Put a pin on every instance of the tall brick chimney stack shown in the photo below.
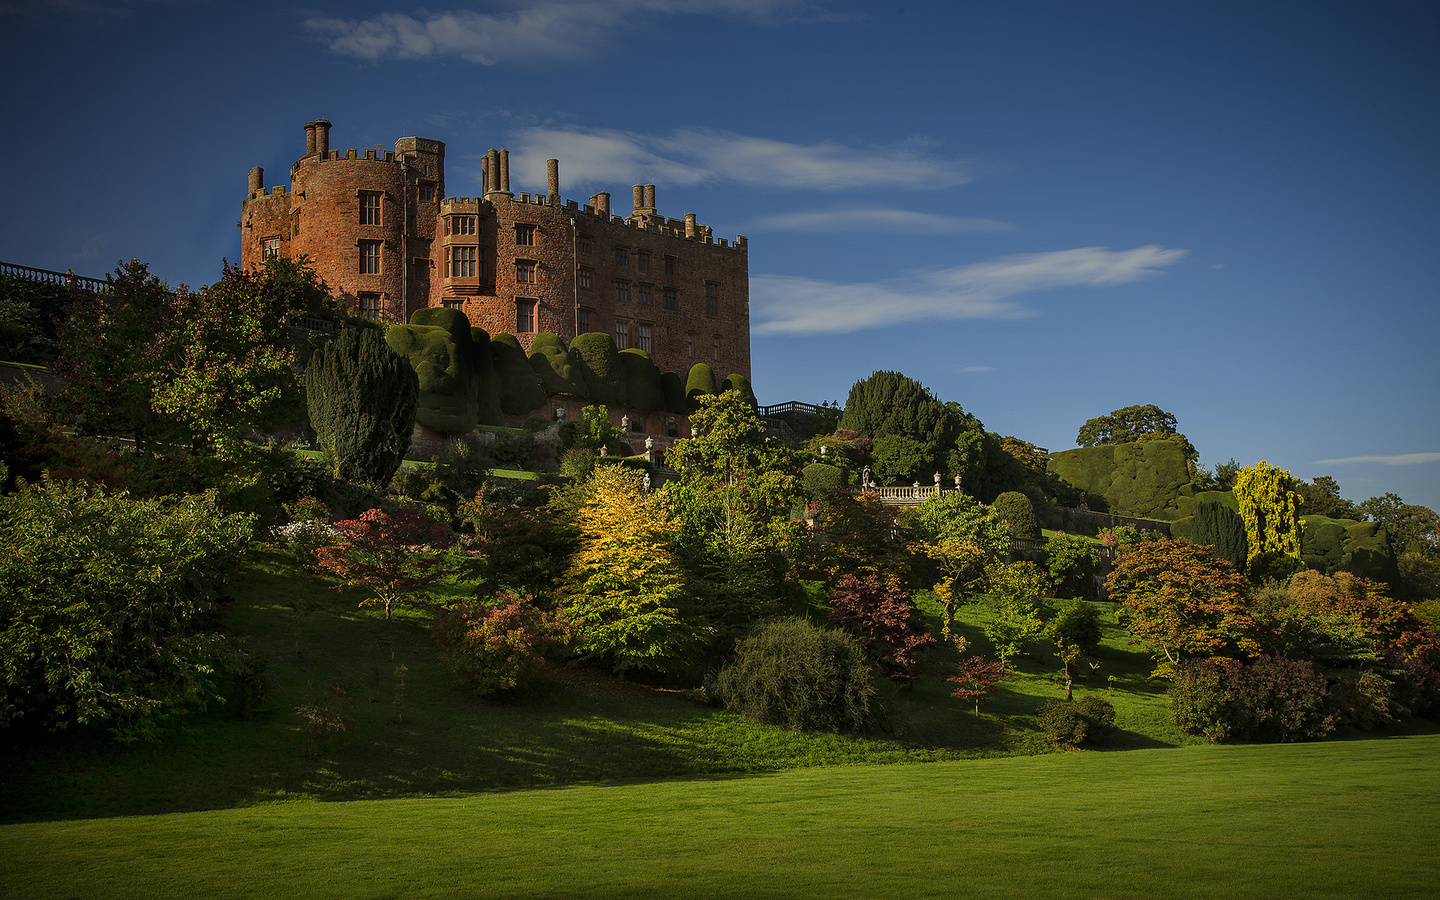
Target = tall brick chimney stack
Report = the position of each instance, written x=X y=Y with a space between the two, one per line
x=601 y=202
x=322 y=137
x=492 y=170
x=309 y=138
x=637 y=199
x=505 y=171
x=257 y=180
x=650 y=199
x=552 y=181
x=689 y=225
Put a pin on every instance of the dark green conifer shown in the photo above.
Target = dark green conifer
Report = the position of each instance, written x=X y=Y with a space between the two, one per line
x=1222 y=528
x=361 y=397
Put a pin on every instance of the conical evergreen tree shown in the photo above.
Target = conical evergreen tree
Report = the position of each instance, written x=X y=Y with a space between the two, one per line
x=361 y=396
x=1222 y=528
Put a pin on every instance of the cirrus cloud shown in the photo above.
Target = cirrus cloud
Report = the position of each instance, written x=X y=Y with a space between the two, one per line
x=1396 y=459
x=786 y=304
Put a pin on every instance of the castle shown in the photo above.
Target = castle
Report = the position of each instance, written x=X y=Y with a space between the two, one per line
x=377 y=224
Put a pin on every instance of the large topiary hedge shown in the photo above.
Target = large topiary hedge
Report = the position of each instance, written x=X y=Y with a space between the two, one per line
x=1344 y=545
x=673 y=387
x=520 y=390
x=596 y=363
x=699 y=383
x=1019 y=512
x=737 y=382
x=1146 y=479
x=642 y=381
x=551 y=362
x=456 y=378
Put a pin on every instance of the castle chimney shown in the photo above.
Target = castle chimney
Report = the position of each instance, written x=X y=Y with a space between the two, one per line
x=484 y=174
x=637 y=201
x=309 y=138
x=505 y=171
x=257 y=181
x=322 y=137
x=552 y=181
x=689 y=225
x=602 y=203
x=650 y=198
x=492 y=184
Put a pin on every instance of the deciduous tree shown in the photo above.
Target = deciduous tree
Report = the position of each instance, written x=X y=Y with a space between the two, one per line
x=1271 y=511
x=885 y=622
x=395 y=557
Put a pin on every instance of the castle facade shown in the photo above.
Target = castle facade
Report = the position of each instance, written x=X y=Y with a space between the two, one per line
x=377 y=224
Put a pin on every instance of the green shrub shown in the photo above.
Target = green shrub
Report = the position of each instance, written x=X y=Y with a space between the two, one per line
x=1222 y=528
x=551 y=362
x=957 y=516
x=361 y=397
x=1089 y=720
x=596 y=363
x=642 y=381
x=700 y=382
x=673 y=387
x=578 y=463
x=739 y=383
x=101 y=598
x=1271 y=699
x=795 y=674
x=1072 y=561
x=520 y=390
x=493 y=648
x=820 y=477
x=1019 y=513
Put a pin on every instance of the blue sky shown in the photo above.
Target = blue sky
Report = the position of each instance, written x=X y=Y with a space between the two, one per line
x=1041 y=210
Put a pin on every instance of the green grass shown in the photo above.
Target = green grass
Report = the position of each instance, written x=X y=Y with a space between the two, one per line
x=1338 y=820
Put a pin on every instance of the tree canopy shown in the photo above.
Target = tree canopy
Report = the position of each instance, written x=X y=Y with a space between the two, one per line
x=1135 y=423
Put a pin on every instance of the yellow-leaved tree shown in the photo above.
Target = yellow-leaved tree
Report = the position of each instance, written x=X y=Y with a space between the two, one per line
x=1270 y=509
x=625 y=588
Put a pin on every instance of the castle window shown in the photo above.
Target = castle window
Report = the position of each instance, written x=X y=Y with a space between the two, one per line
x=671 y=300
x=715 y=346
x=622 y=335
x=270 y=247
x=370 y=207
x=369 y=257
x=582 y=321
x=642 y=294
x=712 y=298
x=427 y=192
x=642 y=340
x=622 y=257
x=524 y=235
x=583 y=276
x=669 y=265
x=582 y=243
x=369 y=305
x=690 y=346
x=460 y=225
x=525 y=271
x=453 y=303
x=622 y=291
x=642 y=261
x=524 y=315
x=462 y=262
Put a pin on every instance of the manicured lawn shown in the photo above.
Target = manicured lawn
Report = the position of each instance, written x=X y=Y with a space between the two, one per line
x=1347 y=820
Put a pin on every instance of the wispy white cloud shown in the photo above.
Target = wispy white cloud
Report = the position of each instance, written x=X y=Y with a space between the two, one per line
x=876 y=219
x=785 y=304
x=539 y=30
x=696 y=156
x=1397 y=459
x=977 y=368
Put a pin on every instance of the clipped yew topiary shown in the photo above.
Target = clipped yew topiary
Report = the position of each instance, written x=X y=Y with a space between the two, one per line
x=520 y=390
x=700 y=382
x=551 y=362
x=596 y=364
x=1344 y=545
x=457 y=383
x=737 y=382
x=642 y=381
x=1149 y=479
x=798 y=675
x=1019 y=512
x=821 y=477
x=361 y=397
x=674 y=388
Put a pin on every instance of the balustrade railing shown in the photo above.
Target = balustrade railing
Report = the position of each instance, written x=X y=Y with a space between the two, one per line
x=60 y=279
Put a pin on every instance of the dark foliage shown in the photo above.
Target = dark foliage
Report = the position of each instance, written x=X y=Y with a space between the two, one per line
x=800 y=676
x=362 y=398
x=1222 y=528
x=1071 y=724
x=885 y=622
